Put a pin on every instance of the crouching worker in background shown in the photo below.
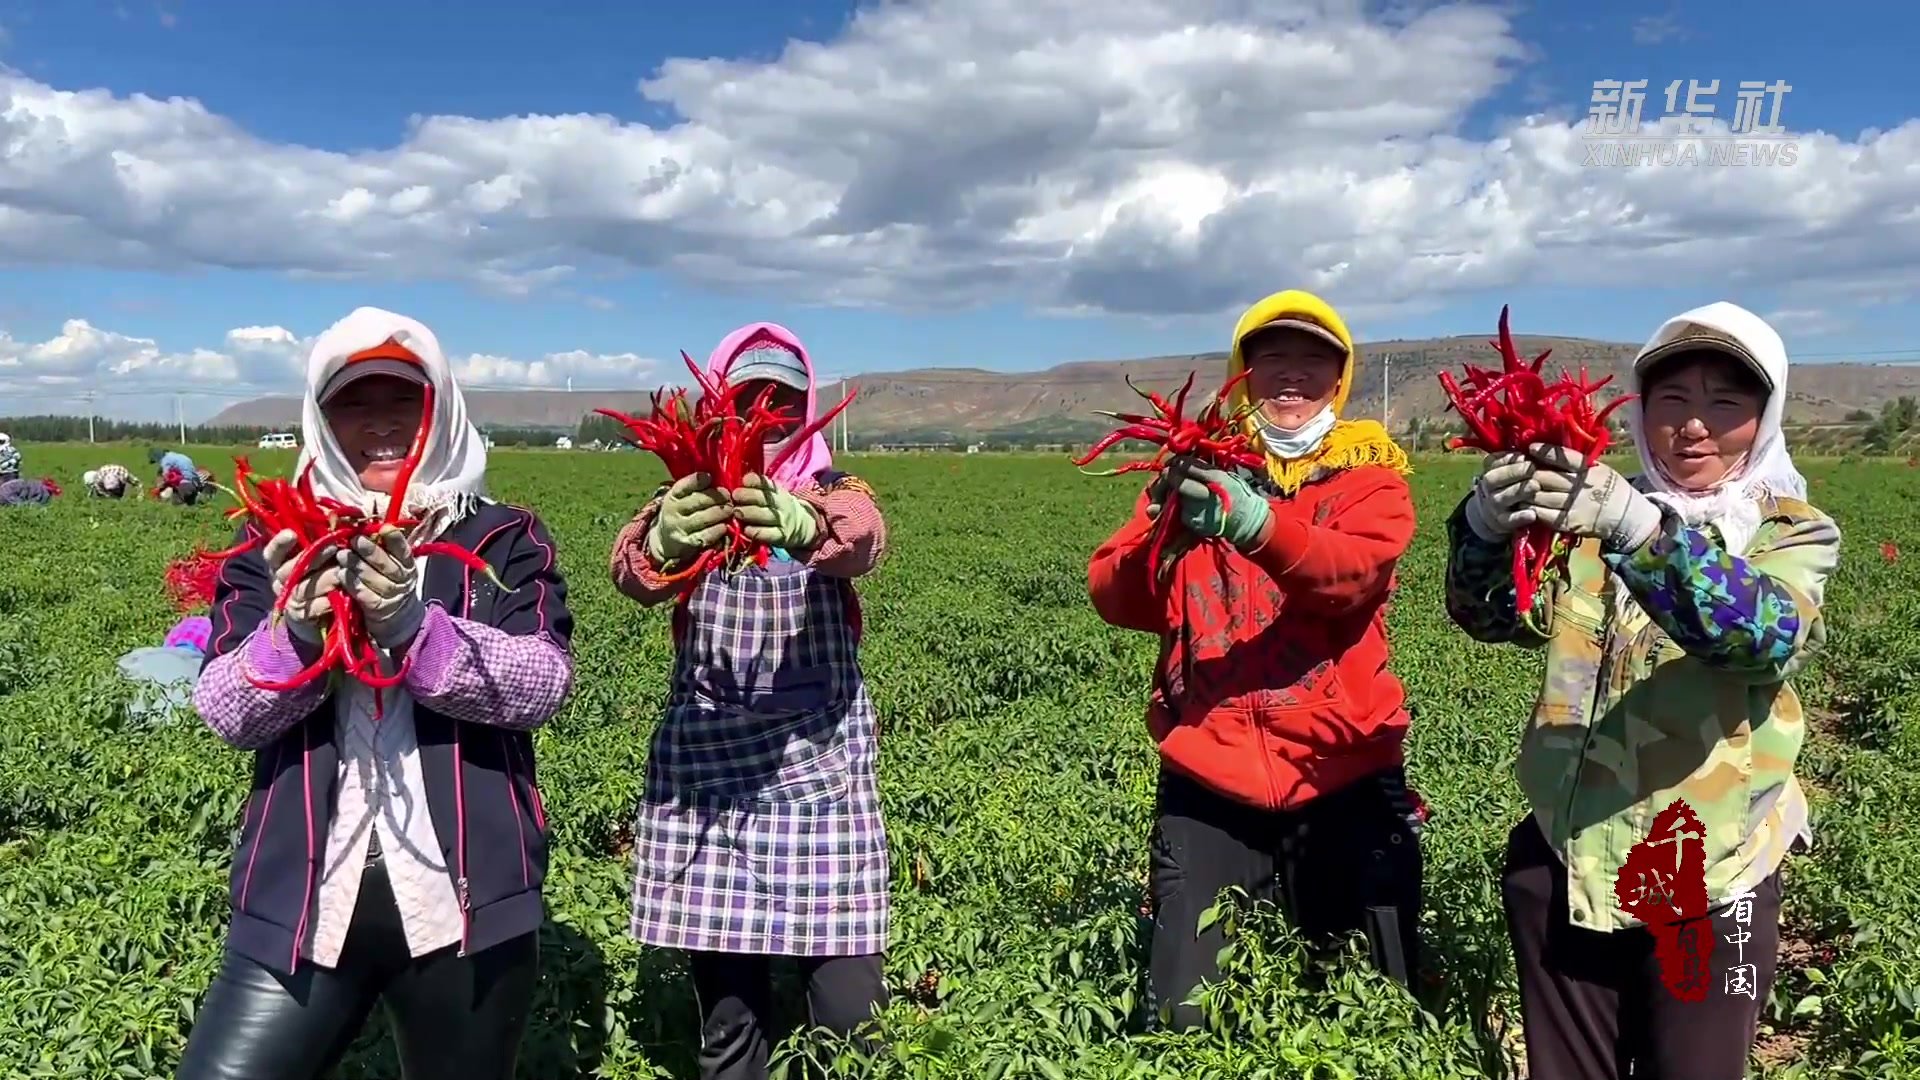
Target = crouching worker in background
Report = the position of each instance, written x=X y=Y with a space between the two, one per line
x=1280 y=727
x=19 y=492
x=110 y=482
x=177 y=481
x=759 y=831
x=1693 y=591
x=396 y=861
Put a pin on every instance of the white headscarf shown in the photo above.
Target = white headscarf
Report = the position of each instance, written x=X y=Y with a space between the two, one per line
x=1732 y=505
x=452 y=477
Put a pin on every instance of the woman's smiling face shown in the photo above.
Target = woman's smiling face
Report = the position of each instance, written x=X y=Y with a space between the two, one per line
x=374 y=419
x=1702 y=412
x=1292 y=374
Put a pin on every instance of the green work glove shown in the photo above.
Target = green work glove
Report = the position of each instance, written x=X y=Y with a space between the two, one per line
x=774 y=516
x=693 y=516
x=1240 y=523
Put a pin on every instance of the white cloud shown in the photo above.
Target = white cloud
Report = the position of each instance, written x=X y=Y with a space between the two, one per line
x=1794 y=323
x=52 y=375
x=1169 y=157
x=555 y=369
x=79 y=349
x=1654 y=29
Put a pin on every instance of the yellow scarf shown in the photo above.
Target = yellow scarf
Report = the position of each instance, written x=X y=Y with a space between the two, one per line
x=1352 y=443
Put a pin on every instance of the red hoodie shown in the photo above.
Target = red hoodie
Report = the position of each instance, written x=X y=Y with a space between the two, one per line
x=1273 y=685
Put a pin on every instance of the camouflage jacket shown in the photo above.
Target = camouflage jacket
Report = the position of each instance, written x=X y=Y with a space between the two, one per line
x=1677 y=690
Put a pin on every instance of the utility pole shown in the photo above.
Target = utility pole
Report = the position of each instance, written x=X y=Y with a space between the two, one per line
x=89 y=396
x=180 y=418
x=1386 y=391
x=846 y=388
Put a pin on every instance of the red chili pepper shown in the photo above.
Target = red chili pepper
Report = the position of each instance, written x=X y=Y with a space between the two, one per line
x=1213 y=438
x=715 y=436
x=275 y=505
x=1515 y=409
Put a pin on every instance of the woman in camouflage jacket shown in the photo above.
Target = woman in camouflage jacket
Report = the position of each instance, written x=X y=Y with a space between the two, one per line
x=1691 y=595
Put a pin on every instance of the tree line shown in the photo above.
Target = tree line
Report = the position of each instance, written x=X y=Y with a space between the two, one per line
x=50 y=428
x=76 y=429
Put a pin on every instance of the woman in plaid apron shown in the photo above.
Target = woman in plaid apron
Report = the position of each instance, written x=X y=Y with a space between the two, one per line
x=759 y=833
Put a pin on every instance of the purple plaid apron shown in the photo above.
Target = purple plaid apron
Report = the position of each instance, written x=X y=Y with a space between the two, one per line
x=759 y=829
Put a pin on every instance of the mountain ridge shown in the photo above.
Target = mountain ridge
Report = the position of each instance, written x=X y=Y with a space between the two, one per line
x=976 y=400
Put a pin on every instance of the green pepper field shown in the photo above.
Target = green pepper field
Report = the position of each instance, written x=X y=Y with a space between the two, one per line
x=1017 y=779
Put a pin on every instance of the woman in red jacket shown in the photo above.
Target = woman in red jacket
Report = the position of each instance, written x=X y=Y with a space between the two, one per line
x=1280 y=727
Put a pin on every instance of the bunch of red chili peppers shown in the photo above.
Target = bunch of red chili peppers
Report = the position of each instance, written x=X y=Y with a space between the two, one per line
x=713 y=436
x=191 y=581
x=320 y=523
x=1214 y=437
x=171 y=479
x=1507 y=411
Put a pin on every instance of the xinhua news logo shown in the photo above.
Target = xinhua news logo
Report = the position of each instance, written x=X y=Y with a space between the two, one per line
x=1687 y=132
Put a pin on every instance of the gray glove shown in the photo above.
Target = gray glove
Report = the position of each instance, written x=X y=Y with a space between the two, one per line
x=693 y=515
x=1582 y=498
x=382 y=579
x=1499 y=505
x=308 y=603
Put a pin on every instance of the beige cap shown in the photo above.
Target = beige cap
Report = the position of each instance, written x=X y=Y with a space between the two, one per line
x=1296 y=322
x=1696 y=336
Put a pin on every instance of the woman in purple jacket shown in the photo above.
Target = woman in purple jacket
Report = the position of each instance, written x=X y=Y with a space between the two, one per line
x=396 y=860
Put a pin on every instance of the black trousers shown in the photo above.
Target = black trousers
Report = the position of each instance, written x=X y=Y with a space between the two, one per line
x=1593 y=1003
x=735 y=992
x=1349 y=860
x=454 y=1017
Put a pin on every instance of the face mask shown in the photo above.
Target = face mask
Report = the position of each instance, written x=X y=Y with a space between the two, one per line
x=1302 y=440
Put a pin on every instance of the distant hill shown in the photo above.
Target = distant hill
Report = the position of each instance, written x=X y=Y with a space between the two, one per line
x=974 y=401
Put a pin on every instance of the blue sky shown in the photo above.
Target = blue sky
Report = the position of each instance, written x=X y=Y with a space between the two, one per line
x=348 y=76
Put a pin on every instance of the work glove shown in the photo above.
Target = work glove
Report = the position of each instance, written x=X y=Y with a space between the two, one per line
x=772 y=515
x=308 y=603
x=1240 y=523
x=1583 y=498
x=382 y=577
x=1157 y=492
x=1500 y=504
x=693 y=515
x=1163 y=484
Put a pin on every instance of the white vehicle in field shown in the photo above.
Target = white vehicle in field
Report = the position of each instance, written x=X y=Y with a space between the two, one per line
x=563 y=443
x=279 y=441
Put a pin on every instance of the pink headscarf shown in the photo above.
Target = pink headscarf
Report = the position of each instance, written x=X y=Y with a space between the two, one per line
x=809 y=459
